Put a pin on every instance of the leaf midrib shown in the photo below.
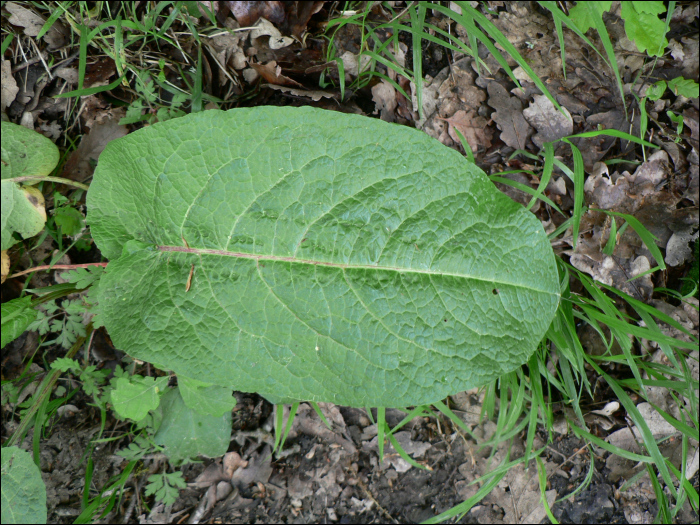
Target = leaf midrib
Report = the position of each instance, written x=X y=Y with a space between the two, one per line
x=279 y=258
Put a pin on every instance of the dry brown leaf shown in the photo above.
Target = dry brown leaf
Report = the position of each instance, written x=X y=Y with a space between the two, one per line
x=9 y=85
x=384 y=98
x=247 y=13
x=515 y=131
x=4 y=265
x=272 y=73
x=472 y=126
x=314 y=95
x=32 y=24
x=80 y=165
x=549 y=122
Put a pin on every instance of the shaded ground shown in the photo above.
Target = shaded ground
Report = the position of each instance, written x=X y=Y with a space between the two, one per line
x=327 y=477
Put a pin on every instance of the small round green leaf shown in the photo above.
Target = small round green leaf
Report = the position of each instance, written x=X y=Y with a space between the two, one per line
x=26 y=152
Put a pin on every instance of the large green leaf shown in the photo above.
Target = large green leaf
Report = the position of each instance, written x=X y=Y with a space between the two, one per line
x=336 y=258
x=23 y=490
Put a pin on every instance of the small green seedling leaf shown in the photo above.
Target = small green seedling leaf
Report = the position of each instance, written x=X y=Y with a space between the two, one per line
x=166 y=486
x=205 y=398
x=17 y=315
x=583 y=18
x=186 y=434
x=684 y=87
x=656 y=90
x=70 y=220
x=23 y=490
x=644 y=27
x=133 y=397
x=677 y=119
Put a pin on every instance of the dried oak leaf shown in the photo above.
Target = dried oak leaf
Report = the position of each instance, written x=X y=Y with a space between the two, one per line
x=32 y=24
x=272 y=73
x=549 y=122
x=472 y=126
x=384 y=98
x=515 y=131
x=247 y=13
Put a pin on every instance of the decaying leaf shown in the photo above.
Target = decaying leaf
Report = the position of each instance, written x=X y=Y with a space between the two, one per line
x=515 y=131
x=549 y=122
x=472 y=126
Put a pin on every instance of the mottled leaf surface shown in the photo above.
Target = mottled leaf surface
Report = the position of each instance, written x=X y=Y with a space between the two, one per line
x=23 y=490
x=336 y=258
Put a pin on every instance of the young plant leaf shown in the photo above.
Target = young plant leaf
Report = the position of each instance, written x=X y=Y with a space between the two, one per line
x=185 y=433
x=338 y=258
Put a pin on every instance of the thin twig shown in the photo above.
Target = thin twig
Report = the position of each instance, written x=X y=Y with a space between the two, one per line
x=30 y=62
x=370 y=496
x=60 y=180
x=403 y=12
x=57 y=267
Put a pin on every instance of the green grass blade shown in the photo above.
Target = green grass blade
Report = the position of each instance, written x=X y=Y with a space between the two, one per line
x=578 y=190
x=527 y=189
x=557 y=14
x=647 y=237
x=475 y=33
x=197 y=91
x=442 y=407
x=612 y=240
x=381 y=431
x=466 y=506
x=542 y=478
x=546 y=173
x=536 y=402
x=597 y=18
x=402 y=453
x=417 y=21
x=613 y=133
x=687 y=486
x=82 y=60
x=586 y=481
x=416 y=412
x=48 y=24
x=467 y=148
x=341 y=76
x=636 y=417
x=560 y=36
x=290 y=421
x=91 y=91
x=279 y=420
x=6 y=43
x=500 y=38
x=320 y=414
